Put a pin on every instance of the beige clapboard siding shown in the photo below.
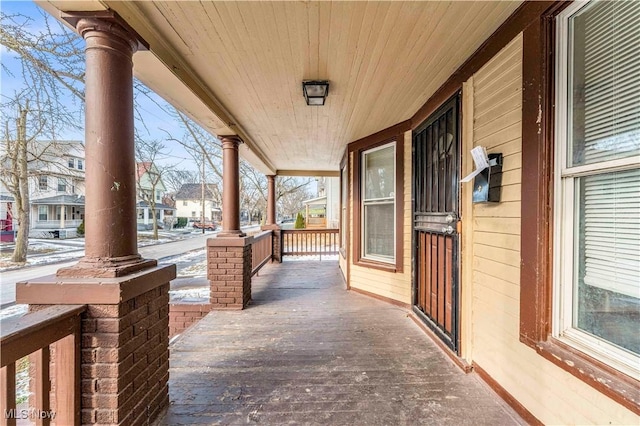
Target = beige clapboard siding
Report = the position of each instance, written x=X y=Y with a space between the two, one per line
x=396 y=286
x=548 y=392
x=494 y=239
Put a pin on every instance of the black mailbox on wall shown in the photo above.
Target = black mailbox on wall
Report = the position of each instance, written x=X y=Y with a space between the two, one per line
x=487 y=184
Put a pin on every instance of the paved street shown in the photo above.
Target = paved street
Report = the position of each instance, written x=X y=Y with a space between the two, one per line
x=8 y=279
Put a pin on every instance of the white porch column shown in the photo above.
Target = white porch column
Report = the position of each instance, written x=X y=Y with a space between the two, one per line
x=62 y=215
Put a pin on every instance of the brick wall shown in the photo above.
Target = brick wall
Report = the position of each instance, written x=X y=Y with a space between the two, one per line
x=229 y=272
x=124 y=359
x=277 y=245
x=184 y=315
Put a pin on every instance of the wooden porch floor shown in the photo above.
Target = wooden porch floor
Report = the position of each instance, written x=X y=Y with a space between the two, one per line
x=308 y=352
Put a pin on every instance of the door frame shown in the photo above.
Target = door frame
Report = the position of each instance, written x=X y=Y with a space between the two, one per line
x=452 y=343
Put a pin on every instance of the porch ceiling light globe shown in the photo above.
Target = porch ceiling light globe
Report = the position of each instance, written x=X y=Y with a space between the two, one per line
x=315 y=92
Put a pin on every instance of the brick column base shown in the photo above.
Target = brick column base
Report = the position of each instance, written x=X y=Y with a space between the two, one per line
x=277 y=245
x=125 y=341
x=229 y=272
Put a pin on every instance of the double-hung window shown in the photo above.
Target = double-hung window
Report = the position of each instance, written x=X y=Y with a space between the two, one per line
x=62 y=185
x=43 y=213
x=43 y=183
x=378 y=203
x=597 y=182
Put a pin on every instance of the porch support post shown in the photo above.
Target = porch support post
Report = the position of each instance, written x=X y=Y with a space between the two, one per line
x=270 y=224
x=110 y=207
x=229 y=254
x=271 y=200
x=230 y=187
x=63 y=210
x=124 y=345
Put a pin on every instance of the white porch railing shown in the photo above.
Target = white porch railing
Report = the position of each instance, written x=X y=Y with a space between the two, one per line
x=55 y=224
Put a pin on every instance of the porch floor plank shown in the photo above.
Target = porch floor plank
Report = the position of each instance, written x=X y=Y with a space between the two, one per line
x=308 y=352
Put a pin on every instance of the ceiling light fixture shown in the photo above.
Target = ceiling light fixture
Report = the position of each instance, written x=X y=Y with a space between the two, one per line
x=315 y=92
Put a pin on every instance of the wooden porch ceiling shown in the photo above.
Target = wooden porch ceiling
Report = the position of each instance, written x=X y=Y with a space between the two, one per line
x=237 y=67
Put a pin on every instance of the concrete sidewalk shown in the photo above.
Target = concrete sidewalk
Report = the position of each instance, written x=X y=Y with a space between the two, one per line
x=307 y=351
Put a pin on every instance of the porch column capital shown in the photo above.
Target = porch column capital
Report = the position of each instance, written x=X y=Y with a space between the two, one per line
x=104 y=33
x=230 y=187
x=231 y=141
x=111 y=247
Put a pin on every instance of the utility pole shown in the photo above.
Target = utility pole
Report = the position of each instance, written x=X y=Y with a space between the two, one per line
x=203 y=201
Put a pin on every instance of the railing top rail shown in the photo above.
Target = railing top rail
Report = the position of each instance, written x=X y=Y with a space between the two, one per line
x=262 y=235
x=310 y=231
x=33 y=331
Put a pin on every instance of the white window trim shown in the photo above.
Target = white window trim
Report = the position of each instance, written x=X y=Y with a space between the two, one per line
x=564 y=213
x=364 y=255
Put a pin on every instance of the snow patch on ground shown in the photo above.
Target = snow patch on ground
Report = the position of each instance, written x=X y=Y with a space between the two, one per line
x=13 y=311
x=190 y=295
x=195 y=270
x=312 y=257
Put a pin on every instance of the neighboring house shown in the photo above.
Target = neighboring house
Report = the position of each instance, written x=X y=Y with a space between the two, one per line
x=324 y=210
x=150 y=191
x=189 y=201
x=56 y=191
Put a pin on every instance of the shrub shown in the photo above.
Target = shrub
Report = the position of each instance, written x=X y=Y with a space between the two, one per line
x=181 y=223
x=299 y=221
x=80 y=229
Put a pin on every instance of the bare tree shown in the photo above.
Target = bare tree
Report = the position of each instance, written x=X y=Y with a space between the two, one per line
x=200 y=144
x=175 y=178
x=291 y=196
x=49 y=102
x=150 y=175
x=290 y=191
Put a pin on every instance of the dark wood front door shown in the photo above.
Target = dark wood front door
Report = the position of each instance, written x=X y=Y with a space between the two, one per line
x=436 y=169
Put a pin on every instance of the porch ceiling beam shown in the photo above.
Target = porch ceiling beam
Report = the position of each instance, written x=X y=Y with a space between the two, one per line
x=310 y=173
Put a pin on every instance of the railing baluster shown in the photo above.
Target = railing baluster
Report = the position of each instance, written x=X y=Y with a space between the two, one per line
x=43 y=384
x=67 y=373
x=8 y=398
x=301 y=242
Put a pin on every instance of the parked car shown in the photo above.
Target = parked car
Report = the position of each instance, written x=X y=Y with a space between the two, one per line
x=207 y=224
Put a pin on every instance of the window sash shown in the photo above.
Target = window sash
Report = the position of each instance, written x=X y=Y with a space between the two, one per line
x=604 y=124
x=569 y=175
x=384 y=250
